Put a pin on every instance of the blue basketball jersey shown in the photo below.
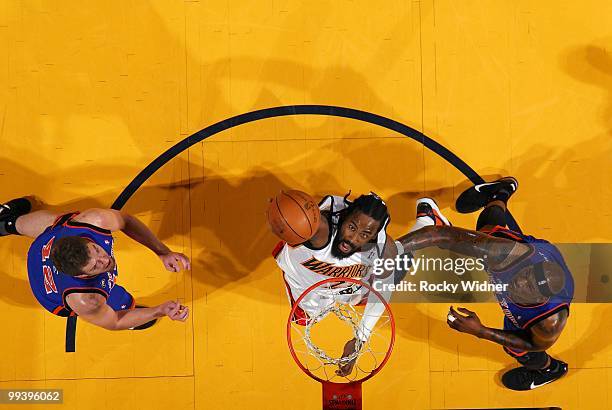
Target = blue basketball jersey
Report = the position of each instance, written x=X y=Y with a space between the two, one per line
x=521 y=317
x=50 y=286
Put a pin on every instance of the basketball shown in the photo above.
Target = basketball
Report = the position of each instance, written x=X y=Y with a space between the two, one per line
x=293 y=216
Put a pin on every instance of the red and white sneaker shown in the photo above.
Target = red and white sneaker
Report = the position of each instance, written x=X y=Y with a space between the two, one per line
x=428 y=214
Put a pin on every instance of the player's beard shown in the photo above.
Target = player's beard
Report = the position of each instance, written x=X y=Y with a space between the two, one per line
x=335 y=250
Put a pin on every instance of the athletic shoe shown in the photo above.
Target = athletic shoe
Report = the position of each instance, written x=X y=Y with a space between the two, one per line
x=522 y=378
x=15 y=207
x=476 y=197
x=9 y=212
x=428 y=208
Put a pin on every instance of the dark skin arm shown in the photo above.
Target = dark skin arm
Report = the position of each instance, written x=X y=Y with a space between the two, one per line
x=541 y=336
x=498 y=252
x=319 y=239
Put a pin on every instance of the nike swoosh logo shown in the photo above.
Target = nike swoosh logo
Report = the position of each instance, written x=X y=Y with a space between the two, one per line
x=477 y=187
x=533 y=385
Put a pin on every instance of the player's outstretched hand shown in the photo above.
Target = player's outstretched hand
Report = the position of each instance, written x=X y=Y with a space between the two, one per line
x=173 y=261
x=346 y=368
x=470 y=323
x=174 y=310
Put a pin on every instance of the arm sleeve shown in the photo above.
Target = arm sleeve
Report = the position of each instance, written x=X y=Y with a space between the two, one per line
x=374 y=307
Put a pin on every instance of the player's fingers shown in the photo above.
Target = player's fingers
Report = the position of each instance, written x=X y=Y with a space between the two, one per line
x=171 y=305
x=186 y=262
x=466 y=311
x=459 y=315
x=183 y=313
x=175 y=309
x=176 y=263
x=458 y=320
x=179 y=316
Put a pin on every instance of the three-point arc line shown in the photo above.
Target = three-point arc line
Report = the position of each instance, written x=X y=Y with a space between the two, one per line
x=329 y=110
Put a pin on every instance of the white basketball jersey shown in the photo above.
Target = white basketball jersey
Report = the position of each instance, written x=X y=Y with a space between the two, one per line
x=303 y=266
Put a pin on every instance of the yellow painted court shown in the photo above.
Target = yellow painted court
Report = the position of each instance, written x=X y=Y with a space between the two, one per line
x=92 y=91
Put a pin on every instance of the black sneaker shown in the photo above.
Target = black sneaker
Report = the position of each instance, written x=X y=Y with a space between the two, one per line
x=9 y=212
x=15 y=207
x=522 y=378
x=476 y=197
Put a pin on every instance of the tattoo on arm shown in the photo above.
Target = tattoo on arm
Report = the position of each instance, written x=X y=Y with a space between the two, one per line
x=507 y=338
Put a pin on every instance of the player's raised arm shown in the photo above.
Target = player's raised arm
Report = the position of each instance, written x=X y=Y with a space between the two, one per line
x=114 y=220
x=374 y=307
x=93 y=308
x=498 y=251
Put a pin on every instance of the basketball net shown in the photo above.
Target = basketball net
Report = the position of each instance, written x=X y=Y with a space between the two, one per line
x=316 y=340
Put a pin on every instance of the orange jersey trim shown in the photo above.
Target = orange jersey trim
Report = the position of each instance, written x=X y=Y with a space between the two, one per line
x=58 y=309
x=278 y=248
x=518 y=353
x=506 y=231
x=548 y=312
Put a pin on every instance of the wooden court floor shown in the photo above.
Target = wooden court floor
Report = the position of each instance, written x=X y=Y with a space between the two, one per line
x=93 y=91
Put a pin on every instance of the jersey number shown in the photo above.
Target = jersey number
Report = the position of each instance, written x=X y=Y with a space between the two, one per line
x=49 y=282
x=46 y=250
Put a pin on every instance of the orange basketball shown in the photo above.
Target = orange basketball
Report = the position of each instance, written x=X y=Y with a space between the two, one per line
x=293 y=216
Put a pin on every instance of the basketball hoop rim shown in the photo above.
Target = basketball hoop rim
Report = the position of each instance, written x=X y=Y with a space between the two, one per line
x=357 y=282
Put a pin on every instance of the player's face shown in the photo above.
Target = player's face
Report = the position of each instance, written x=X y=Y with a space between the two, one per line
x=523 y=288
x=99 y=261
x=356 y=230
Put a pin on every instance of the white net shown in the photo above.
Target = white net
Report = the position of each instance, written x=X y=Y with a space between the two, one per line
x=319 y=339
